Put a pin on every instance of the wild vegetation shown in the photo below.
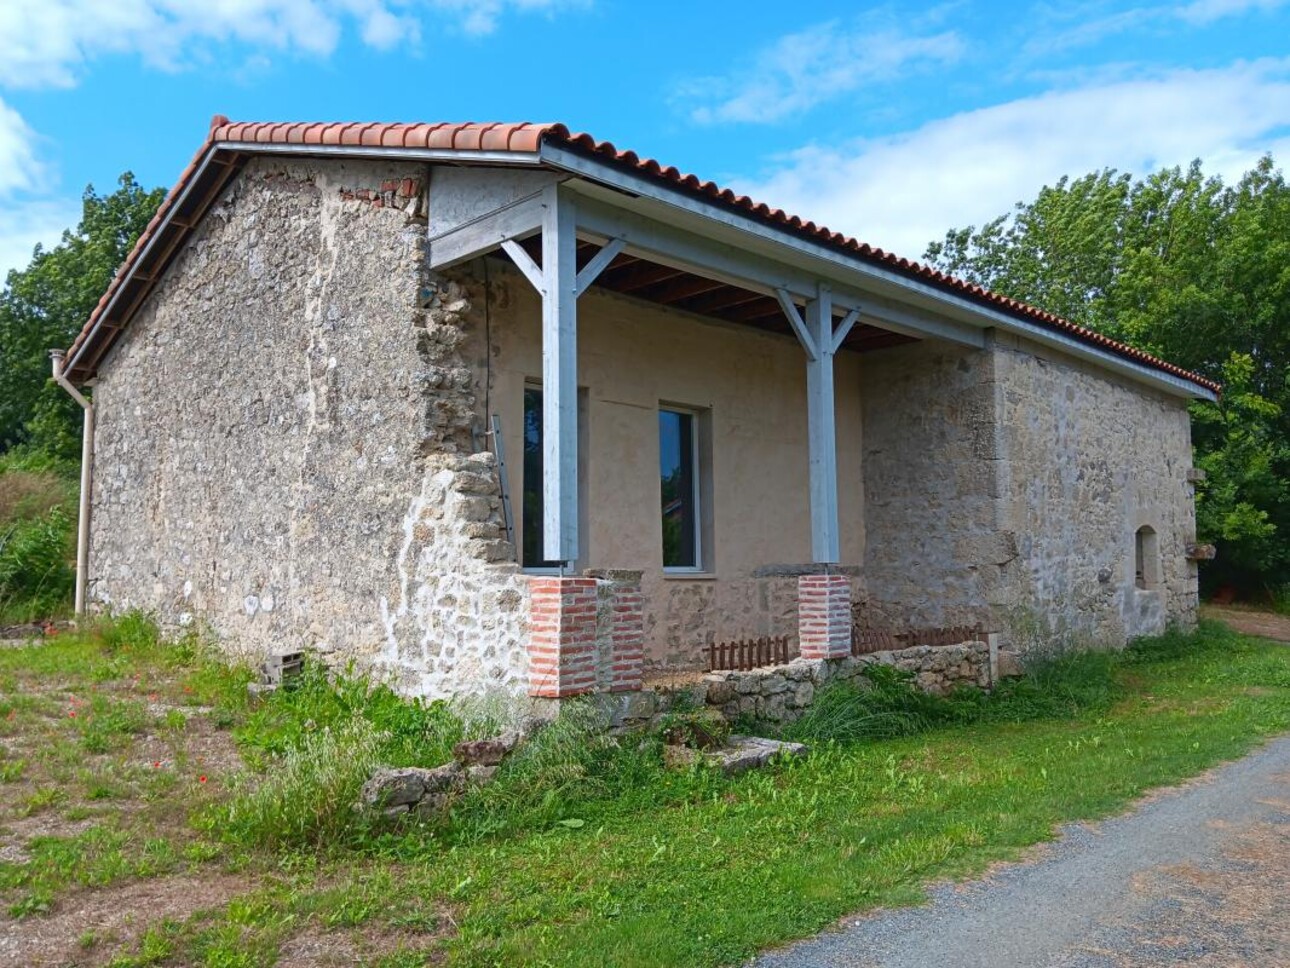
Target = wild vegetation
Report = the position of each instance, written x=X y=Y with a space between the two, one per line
x=41 y=307
x=154 y=813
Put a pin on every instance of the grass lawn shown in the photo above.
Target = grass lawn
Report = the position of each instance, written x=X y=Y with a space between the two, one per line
x=152 y=814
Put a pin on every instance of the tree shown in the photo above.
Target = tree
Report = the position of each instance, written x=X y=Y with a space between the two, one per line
x=1197 y=272
x=47 y=303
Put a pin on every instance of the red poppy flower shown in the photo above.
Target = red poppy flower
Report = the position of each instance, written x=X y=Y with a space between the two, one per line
x=201 y=779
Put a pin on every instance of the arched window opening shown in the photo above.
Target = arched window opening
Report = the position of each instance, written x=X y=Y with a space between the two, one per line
x=1146 y=557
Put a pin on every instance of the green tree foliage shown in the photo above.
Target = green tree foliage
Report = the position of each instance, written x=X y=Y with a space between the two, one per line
x=1192 y=270
x=46 y=304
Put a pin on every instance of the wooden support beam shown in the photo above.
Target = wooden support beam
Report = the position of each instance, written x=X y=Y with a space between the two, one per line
x=816 y=334
x=487 y=232
x=639 y=277
x=821 y=421
x=598 y=263
x=524 y=262
x=685 y=288
x=559 y=377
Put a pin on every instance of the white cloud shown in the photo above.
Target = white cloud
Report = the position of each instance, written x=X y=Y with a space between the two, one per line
x=1066 y=28
x=804 y=69
x=47 y=43
x=903 y=191
x=1207 y=11
x=19 y=168
x=25 y=224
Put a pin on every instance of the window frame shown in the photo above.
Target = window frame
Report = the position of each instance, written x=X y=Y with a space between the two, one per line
x=700 y=492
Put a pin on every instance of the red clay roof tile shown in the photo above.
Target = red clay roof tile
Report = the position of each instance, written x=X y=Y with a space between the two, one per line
x=528 y=137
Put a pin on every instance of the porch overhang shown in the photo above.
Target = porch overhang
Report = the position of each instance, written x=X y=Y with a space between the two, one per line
x=565 y=233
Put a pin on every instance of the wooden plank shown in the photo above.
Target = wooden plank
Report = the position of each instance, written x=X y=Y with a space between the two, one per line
x=486 y=232
x=682 y=288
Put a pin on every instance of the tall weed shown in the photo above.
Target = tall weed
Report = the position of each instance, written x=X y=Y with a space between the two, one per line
x=36 y=566
x=307 y=799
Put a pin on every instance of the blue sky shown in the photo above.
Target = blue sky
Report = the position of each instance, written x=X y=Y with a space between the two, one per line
x=892 y=122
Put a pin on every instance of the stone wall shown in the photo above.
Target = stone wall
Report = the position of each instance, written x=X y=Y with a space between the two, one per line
x=782 y=693
x=1005 y=486
x=1092 y=458
x=288 y=444
x=934 y=551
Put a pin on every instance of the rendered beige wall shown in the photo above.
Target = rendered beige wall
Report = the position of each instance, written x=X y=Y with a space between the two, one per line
x=633 y=356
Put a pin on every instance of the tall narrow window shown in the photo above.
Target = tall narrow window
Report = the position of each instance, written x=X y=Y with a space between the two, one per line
x=533 y=500
x=679 y=477
x=1146 y=558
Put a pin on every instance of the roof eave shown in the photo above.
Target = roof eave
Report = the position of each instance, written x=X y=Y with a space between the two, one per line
x=615 y=176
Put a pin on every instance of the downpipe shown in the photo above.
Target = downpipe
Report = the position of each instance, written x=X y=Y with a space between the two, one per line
x=87 y=471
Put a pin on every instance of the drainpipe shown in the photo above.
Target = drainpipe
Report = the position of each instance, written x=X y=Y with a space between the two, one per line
x=87 y=469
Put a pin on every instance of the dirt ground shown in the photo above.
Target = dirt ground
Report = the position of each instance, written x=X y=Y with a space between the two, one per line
x=1250 y=621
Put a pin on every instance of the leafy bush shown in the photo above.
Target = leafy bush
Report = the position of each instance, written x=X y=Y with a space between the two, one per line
x=36 y=571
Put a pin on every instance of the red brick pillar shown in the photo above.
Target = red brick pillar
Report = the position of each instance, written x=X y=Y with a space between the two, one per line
x=562 y=636
x=627 y=633
x=824 y=616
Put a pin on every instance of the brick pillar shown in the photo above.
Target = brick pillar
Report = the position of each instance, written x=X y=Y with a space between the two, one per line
x=562 y=636
x=627 y=633
x=824 y=616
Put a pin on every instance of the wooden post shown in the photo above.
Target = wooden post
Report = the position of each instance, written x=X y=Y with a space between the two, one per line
x=559 y=378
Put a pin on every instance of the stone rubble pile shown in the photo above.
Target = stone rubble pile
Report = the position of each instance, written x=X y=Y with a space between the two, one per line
x=394 y=791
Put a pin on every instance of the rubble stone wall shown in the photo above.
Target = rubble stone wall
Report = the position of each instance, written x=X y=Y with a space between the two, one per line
x=782 y=693
x=289 y=449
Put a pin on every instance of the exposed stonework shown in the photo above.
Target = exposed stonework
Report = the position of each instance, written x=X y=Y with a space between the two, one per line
x=780 y=694
x=934 y=551
x=286 y=440
x=1007 y=487
x=1090 y=460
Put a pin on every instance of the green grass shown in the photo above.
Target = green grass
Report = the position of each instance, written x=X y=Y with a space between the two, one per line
x=585 y=850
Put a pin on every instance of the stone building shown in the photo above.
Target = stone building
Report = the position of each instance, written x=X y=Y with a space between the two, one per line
x=503 y=407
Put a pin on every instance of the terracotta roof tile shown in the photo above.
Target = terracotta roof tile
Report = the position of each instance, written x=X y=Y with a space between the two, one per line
x=528 y=137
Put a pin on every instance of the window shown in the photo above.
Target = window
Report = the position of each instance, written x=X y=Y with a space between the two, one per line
x=533 y=503
x=679 y=473
x=1146 y=558
x=531 y=510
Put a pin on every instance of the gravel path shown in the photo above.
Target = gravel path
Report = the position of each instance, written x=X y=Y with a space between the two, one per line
x=1198 y=876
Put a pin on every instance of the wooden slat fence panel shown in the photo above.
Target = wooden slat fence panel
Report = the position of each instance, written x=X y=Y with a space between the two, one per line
x=741 y=655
